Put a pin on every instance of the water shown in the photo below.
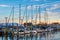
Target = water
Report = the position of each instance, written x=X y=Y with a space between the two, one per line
x=39 y=36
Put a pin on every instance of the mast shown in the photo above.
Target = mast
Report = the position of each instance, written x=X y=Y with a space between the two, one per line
x=30 y=27
x=46 y=16
x=32 y=14
x=7 y=19
x=39 y=16
x=13 y=16
x=19 y=20
x=19 y=14
x=36 y=16
x=46 y=22
x=13 y=21
x=26 y=15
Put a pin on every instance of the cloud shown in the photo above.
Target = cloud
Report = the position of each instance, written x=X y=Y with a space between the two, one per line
x=3 y=5
x=50 y=4
x=54 y=6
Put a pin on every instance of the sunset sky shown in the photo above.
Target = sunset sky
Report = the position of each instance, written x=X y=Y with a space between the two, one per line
x=52 y=6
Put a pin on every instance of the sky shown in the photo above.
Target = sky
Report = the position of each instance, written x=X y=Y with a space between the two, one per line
x=52 y=7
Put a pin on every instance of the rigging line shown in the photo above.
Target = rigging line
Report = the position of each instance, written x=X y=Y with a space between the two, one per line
x=10 y=16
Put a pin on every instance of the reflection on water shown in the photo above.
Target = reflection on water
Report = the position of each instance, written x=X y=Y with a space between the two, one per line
x=39 y=36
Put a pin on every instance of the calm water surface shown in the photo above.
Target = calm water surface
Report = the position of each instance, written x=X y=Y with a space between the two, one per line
x=39 y=36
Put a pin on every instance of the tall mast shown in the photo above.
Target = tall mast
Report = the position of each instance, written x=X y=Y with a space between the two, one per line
x=36 y=16
x=19 y=14
x=46 y=22
x=31 y=13
x=26 y=13
x=13 y=16
x=46 y=16
x=19 y=20
x=39 y=15
x=13 y=21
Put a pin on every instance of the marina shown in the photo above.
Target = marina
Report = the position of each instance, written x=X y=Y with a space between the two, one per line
x=29 y=20
x=22 y=30
x=27 y=27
